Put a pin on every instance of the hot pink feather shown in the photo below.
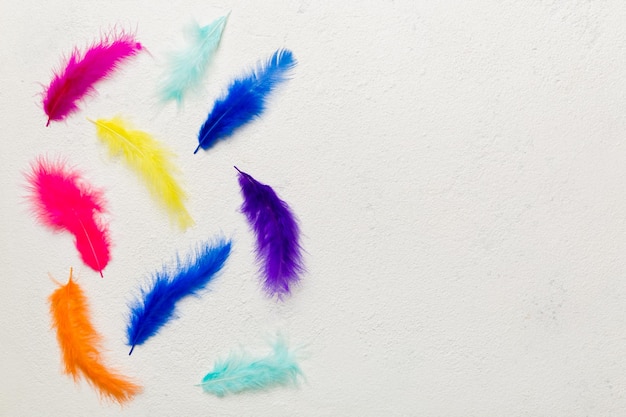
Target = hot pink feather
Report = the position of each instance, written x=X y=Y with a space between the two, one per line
x=83 y=70
x=63 y=201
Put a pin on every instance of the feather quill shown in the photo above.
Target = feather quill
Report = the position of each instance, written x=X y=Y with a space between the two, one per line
x=241 y=372
x=63 y=201
x=245 y=99
x=187 y=67
x=277 y=235
x=80 y=344
x=151 y=161
x=81 y=71
x=157 y=303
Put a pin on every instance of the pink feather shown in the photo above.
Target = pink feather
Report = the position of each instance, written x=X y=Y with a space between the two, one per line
x=63 y=201
x=83 y=70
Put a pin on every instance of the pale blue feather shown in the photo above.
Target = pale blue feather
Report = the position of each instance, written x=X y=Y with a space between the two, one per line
x=187 y=67
x=241 y=372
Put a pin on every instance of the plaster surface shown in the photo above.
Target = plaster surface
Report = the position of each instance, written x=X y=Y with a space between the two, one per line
x=458 y=169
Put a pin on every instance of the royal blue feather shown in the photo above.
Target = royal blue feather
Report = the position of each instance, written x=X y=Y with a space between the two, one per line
x=277 y=235
x=157 y=303
x=245 y=99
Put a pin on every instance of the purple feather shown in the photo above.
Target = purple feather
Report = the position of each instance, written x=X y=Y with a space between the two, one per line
x=277 y=235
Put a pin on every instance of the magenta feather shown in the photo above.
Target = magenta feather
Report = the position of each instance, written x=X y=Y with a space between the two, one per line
x=63 y=201
x=277 y=235
x=82 y=71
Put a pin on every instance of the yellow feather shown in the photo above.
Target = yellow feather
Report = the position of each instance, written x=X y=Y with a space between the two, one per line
x=151 y=161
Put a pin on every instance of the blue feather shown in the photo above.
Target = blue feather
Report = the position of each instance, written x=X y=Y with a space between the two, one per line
x=245 y=99
x=187 y=67
x=156 y=305
x=240 y=372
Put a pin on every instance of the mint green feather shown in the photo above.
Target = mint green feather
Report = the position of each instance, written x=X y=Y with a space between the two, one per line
x=187 y=67
x=240 y=372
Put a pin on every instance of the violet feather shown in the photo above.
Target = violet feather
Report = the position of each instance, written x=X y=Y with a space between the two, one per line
x=277 y=235
x=157 y=304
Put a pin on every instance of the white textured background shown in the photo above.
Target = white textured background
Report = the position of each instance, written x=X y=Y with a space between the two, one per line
x=459 y=171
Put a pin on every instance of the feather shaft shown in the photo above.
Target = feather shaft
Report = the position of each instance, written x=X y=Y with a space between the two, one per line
x=277 y=235
x=151 y=161
x=82 y=71
x=187 y=67
x=64 y=201
x=157 y=303
x=245 y=99
x=80 y=344
x=241 y=372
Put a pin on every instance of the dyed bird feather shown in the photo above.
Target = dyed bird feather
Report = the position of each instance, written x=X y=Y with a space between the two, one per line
x=277 y=235
x=82 y=71
x=151 y=161
x=157 y=303
x=63 y=201
x=245 y=99
x=187 y=67
x=80 y=344
x=240 y=372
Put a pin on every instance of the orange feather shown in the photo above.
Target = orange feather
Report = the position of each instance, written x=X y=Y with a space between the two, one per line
x=80 y=344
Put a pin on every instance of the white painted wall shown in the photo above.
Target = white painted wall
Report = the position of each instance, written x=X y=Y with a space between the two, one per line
x=459 y=171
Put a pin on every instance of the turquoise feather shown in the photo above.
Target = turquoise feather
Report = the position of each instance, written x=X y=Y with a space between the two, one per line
x=187 y=67
x=240 y=372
